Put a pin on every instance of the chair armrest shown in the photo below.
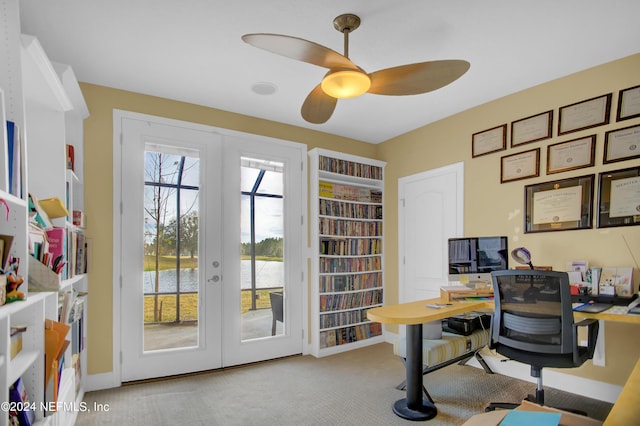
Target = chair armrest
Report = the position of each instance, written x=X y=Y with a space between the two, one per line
x=593 y=327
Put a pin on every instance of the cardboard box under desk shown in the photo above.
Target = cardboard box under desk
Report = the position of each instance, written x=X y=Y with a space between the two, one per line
x=493 y=418
x=451 y=293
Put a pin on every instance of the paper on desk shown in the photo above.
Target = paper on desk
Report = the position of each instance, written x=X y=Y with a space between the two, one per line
x=530 y=418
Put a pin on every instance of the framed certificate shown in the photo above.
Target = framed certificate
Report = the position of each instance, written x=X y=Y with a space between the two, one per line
x=628 y=103
x=584 y=115
x=571 y=155
x=532 y=129
x=619 y=198
x=488 y=141
x=622 y=144
x=559 y=205
x=520 y=166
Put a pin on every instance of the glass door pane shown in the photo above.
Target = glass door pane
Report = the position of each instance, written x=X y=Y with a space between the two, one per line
x=262 y=249
x=171 y=278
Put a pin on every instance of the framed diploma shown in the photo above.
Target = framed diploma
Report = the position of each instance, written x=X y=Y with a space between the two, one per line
x=571 y=155
x=628 y=103
x=584 y=115
x=488 y=141
x=559 y=205
x=622 y=144
x=520 y=166
x=532 y=129
x=619 y=198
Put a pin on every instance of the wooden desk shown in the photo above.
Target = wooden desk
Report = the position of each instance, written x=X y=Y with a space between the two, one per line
x=626 y=410
x=413 y=314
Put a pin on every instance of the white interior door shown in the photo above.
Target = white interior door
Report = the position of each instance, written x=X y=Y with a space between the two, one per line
x=196 y=292
x=430 y=211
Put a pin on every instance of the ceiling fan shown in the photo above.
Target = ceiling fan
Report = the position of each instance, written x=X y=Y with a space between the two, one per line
x=347 y=80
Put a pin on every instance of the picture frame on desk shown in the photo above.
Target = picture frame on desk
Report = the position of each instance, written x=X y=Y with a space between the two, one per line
x=619 y=198
x=559 y=205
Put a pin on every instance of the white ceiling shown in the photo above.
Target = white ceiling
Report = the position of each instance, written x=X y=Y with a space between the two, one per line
x=191 y=51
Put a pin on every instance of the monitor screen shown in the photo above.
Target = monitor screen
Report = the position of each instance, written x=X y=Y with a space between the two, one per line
x=471 y=260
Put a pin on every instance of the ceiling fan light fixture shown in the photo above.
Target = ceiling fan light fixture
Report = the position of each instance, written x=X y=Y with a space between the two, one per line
x=343 y=84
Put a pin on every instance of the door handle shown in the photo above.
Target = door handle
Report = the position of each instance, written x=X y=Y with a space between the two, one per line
x=214 y=278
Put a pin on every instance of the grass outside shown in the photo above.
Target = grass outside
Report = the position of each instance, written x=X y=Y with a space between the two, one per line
x=187 y=262
x=189 y=302
x=189 y=306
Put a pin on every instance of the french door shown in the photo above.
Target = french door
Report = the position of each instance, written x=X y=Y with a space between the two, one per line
x=197 y=209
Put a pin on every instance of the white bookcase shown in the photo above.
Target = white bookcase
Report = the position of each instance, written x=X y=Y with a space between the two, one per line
x=347 y=245
x=45 y=102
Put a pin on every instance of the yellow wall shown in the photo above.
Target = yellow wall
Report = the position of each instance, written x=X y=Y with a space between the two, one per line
x=492 y=208
x=98 y=155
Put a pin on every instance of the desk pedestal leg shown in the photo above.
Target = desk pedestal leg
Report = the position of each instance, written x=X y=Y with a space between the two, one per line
x=414 y=407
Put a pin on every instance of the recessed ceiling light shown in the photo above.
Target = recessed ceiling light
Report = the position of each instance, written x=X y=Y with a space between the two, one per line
x=263 y=88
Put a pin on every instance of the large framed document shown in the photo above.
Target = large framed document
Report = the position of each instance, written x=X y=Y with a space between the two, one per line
x=619 y=198
x=559 y=205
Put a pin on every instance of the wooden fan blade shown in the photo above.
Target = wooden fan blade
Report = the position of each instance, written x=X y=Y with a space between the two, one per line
x=299 y=49
x=318 y=107
x=417 y=78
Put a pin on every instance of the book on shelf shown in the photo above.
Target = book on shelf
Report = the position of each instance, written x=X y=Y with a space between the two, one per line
x=5 y=248
x=57 y=246
x=16 y=339
x=54 y=207
x=350 y=193
x=70 y=157
x=20 y=400
x=38 y=243
x=37 y=214
x=14 y=159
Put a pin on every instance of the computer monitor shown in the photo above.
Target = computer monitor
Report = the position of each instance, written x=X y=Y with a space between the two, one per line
x=471 y=260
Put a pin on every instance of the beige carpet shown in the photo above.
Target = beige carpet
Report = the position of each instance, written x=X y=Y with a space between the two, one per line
x=352 y=388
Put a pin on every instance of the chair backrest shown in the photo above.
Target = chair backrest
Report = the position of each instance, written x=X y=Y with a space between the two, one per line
x=533 y=311
x=276 y=305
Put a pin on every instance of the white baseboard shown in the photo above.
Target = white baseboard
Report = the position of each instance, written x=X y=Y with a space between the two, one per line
x=94 y=382
x=554 y=379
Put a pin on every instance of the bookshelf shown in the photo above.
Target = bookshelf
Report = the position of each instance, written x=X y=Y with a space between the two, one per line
x=45 y=103
x=28 y=362
x=347 y=245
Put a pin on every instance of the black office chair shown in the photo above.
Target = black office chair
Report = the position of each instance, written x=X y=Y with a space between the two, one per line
x=533 y=323
x=275 y=298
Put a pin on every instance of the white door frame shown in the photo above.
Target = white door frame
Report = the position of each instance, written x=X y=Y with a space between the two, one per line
x=113 y=379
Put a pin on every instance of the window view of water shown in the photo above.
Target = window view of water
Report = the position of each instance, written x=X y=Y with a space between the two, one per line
x=268 y=274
